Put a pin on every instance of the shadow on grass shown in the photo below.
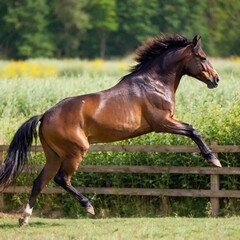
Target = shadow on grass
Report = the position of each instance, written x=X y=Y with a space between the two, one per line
x=8 y=225
x=33 y=224
x=44 y=224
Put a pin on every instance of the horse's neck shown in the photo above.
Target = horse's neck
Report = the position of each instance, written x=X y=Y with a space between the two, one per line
x=169 y=81
x=176 y=82
x=172 y=67
x=165 y=71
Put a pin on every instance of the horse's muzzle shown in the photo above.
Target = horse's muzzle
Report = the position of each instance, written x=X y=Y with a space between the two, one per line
x=213 y=83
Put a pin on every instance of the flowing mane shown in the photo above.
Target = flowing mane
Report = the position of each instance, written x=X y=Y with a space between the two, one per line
x=156 y=46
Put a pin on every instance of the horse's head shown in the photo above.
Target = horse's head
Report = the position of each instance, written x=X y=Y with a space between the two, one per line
x=198 y=65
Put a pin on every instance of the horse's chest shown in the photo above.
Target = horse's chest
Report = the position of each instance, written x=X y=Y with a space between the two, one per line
x=162 y=101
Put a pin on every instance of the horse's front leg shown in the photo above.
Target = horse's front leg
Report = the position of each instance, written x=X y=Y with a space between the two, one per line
x=174 y=126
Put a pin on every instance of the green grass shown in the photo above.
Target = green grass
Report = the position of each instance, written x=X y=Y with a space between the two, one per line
x=121 y=229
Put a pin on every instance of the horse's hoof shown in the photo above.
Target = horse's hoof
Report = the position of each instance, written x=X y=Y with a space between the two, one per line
x=22 y=222
x=90 y=210
x=214 y=162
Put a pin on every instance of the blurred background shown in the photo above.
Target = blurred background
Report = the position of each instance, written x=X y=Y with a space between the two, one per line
x=112 y=28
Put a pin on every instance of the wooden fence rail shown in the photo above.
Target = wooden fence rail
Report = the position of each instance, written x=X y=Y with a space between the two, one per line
x=214 y=193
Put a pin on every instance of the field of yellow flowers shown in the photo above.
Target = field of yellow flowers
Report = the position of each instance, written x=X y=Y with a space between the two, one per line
x=53 y=68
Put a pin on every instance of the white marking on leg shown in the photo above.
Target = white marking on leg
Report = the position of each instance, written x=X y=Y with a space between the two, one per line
x=28 y=211
x=26 y=214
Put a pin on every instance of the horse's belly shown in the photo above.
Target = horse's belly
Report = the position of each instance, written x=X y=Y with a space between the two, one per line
x=100 y=134
x=113 y=118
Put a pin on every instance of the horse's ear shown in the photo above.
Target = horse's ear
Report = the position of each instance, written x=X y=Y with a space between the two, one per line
x=196 y=42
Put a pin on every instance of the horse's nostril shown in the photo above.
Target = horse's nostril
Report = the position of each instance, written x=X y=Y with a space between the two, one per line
x=217 y=80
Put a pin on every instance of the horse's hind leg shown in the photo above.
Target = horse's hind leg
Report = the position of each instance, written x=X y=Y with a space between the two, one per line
x=53 y=163
x=63 y=178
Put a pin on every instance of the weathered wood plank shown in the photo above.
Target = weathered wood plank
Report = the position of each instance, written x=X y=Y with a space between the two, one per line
x=215 y=185
x=127 y=148
x=143 y=148
x=148 y=169
x=159 y=169
x=148 y=148
x=1 y=202
x=1 y=157
x=135 y=191
x=161 y=148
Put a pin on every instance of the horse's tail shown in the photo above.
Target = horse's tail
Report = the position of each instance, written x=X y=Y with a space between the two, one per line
x=18 y=152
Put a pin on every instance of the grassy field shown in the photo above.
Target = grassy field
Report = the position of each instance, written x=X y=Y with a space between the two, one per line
x=121 y=229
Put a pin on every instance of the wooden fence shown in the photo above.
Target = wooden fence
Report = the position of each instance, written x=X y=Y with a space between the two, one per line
x=214 y=193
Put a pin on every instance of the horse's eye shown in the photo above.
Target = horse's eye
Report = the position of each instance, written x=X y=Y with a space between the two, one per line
x=203 y=59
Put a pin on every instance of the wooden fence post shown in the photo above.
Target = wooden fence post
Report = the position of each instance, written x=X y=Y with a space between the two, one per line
x=165 y=205
x=214 y=178
x=1 y=194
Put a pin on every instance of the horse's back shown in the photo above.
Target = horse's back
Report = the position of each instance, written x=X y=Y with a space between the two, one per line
x=110 y=115
x=118 y=115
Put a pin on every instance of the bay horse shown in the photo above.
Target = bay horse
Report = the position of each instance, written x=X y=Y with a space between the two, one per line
x=142 y=101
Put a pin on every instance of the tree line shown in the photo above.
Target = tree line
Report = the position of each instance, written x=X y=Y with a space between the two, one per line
x=112 y=28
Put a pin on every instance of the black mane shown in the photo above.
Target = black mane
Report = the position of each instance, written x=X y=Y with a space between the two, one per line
x=156 y=46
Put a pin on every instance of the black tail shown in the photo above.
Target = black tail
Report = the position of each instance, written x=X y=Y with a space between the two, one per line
x=18 y=152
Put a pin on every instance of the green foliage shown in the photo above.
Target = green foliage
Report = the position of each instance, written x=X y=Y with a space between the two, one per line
x=27 y=34
x=68 y=23
x=103 y=20
x=103 y=15
x=90 y=29
x=136 y=22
